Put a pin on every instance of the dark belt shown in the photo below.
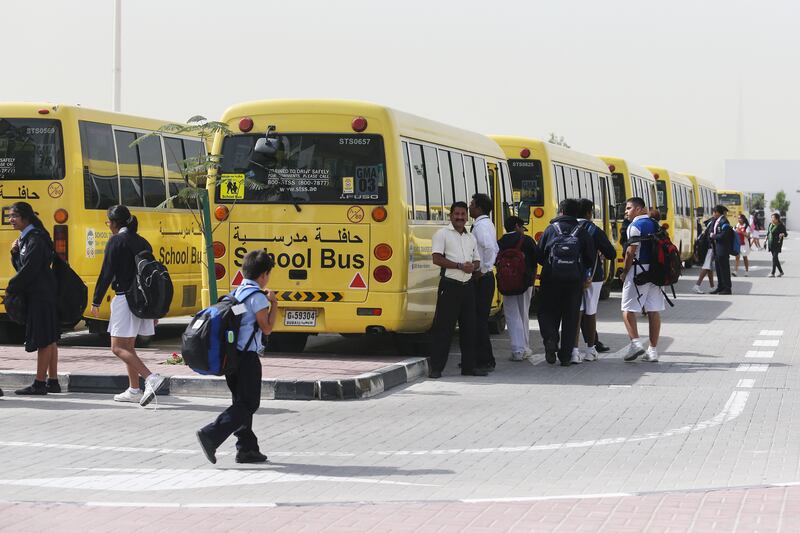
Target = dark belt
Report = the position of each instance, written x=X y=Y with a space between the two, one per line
x=456 y=282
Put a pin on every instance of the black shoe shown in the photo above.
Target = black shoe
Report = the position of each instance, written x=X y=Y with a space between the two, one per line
x=250 y=456
x=435 y=374
x=475 y=372
x=565 y=363
x=53 y=386
x=1 y=393
x=38 y=388
x=601 y=348
x=726 y=291
x=487 y=369
x=715 y=291
x=208 y=449
x=550 y=352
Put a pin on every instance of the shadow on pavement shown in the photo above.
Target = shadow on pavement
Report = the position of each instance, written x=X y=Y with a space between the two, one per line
x=63 y=402
x=346 y=471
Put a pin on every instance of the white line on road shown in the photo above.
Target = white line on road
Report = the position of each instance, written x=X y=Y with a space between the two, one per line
x=746 y=383
x=756 y=354
x=771 y=332
x=767 y=342
x=744 y=367
x=546 y=498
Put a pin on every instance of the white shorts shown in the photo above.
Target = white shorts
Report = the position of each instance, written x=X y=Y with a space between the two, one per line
x=125 y=324
x=648 y=297
x=708 y=260
x=591 y=297
x=745 y=250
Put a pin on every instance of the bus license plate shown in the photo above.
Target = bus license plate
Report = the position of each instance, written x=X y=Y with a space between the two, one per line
x=299 y=318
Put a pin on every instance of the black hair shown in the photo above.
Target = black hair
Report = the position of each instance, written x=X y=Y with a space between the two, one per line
x=26 y=212
x=637 y=201
x=721 y=209
x=256 y=263
x=746 y=222
x=122 y=217
x=586 y=207
x=483 y=202
x=460 y=204
x=777 y=215
x=568 y=207
x=512 y=222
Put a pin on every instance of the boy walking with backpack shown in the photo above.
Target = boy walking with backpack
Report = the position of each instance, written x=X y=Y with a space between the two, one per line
x=566 y=254
x=259 y=313
x=516 y=271
x=647 y=297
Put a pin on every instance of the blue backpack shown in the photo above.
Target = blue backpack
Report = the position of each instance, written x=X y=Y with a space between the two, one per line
x=736 y=244
x=209 y=344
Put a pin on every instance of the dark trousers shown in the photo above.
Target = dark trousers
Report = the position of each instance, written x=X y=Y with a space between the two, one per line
x=776 y=262
x=559 y=309
x=455 y=303
x=245 y=386
x=723 y=267
x=484 y=292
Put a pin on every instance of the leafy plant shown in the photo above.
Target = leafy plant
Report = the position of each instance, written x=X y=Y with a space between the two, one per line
x=555 y=139
x=780 y=203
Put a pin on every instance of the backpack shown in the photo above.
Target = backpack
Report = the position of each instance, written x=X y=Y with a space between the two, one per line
x=151 y=293
x=209 y=343
x=512 y=270
x=73 y=295
x=665 y=261
x=565 y=255
x=736 y=243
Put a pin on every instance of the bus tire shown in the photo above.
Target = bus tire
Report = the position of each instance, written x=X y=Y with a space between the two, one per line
x=605 y=291
x=497 y=323
x=143 y=341
x=286 y=342
x=687 y=264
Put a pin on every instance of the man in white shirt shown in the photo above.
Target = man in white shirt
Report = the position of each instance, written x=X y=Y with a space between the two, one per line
x=486 y=237
x=456 y=253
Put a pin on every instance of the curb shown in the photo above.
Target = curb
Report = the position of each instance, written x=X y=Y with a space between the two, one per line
x=352 y=388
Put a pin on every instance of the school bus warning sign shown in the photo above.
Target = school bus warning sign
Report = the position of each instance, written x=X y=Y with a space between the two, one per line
x=231 y=187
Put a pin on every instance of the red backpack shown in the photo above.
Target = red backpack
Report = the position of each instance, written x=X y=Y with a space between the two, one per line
x=512 y=270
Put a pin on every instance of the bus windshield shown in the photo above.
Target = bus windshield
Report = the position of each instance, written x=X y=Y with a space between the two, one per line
x=31 y=149
x=526 y=178
x=661 y=197
x=730 y=199
x=316 y=168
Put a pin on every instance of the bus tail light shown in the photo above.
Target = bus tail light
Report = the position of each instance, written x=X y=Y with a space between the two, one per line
x=525 y=153
x=61 y=241
x=655 y=175
x=611 y=168
x=369 y=311
x=221 y=213
x=379 y=214
x=219 y=249
x=219 y=270
x=44 y=111
x=246 y=124
x=61 y=216
x=538 y=212
x=538 y=236
x=383 y=252
x=382 y=274
x=359 y=124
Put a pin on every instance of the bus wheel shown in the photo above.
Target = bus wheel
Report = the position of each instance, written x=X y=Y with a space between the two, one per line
x=687 y=263
x=143 y=341
x=605 y=291
x=497 y=323
x=287 y=342
x=11 y=333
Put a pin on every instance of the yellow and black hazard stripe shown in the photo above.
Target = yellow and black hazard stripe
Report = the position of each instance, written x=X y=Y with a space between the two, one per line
x=309 y=296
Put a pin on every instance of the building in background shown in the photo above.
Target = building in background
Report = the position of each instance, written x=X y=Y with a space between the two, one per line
x=768 y=176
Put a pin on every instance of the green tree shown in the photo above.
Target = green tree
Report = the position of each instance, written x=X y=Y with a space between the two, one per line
x=780 y=203
x=555 y=139
x=758 y=200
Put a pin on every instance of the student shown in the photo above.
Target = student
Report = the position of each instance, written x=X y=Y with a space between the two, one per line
x=119 y=271
x=35 y=284
x=637 y=298
x=517 y=306
x=486 y=238
x=775 y=235
x=260 y=311
x=704 y=250
x=722 y=235
x=743 y=233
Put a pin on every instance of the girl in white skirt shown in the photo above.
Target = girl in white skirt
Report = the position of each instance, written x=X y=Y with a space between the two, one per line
x=743 y=233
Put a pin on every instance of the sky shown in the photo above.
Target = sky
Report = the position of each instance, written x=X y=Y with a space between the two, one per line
x=680 y=84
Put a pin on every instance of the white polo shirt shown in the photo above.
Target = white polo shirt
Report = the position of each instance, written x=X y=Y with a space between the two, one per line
x=486 y=237
x=457 y=247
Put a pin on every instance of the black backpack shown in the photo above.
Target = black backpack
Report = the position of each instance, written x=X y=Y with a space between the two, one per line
x=565 y=255
x=665 y=261
x=73 y=295
x=151 y=293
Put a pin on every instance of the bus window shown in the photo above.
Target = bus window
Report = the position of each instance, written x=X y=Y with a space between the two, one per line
x=459 y=182
x=573 y=182
x=195 y=150
x=447 y=181
x=490 y=169
x=598 y=197
x=661 y=197
x=508 y=193
x=152 y=168
x=618 y=189
x=585 y=182
x=469 y=175
x=100 y=179
x=173 y=148
x=418 y=175
x=480 y=175
x=435 y=211
x=129 y=177
x=409 y=183
x=558 y=174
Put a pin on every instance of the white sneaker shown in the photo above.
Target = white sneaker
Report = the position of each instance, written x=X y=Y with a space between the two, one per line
x=128 y=396
x=590 y=354
x=698 y=290
x=635 y=349
x=771 y=276
x=517 y=356
x=528 y=353
x=651 y=355
x=152 y=385
x=576 y=358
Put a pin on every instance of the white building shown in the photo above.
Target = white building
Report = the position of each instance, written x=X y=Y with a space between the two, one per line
x=768 y=176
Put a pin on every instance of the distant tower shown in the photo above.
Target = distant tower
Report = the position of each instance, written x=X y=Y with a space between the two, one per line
x=740 y=146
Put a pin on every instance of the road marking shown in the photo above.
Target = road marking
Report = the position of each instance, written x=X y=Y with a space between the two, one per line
x=546 y=498
x=755 y=354
x=744 y=367
x=771 y=333
x=769 y=342
x=746 y=383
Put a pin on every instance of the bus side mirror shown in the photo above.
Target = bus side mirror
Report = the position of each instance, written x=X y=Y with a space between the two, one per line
x=267 y=146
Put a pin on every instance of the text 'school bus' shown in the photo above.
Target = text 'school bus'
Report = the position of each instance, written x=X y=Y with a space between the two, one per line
x=705 y=198
x=543 y=174
x=737 y=202
x=72 y=163
x=676 y=204
x=345 y=197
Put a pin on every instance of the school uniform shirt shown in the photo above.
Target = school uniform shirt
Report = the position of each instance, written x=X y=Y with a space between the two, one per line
x=602 y=245
x=254 y=303
x=119 y=263
x=642 y=226
x=486 y=237
x=457 y=247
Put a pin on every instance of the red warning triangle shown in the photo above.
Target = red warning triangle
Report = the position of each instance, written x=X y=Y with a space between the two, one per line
x=238 y=278
x=357 y=282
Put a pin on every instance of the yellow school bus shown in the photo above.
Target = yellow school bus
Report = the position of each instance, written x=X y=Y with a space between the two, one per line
x=627 y=180
x=71 y=163
x=737 y=202
x=346 y=201
x=705 y=198
x=676 y=204
x=543 y=174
